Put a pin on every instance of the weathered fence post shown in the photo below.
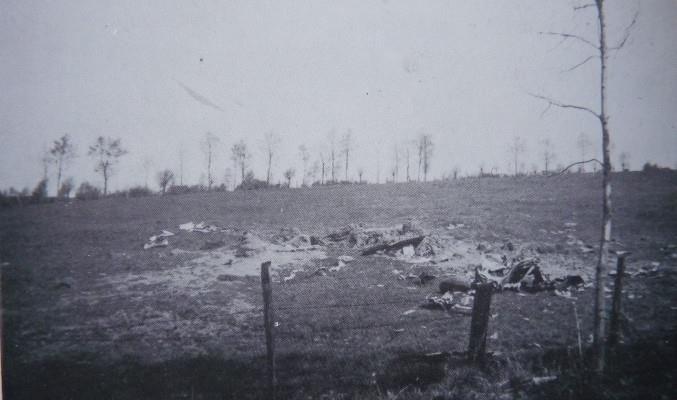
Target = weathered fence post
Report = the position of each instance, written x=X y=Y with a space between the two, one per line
x=615 y=319
x=268 y=324
x=479 y=323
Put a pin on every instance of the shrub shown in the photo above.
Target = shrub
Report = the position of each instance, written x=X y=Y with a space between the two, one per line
x=66 y=189
x=251 y=183
x=39 y=194
x=86 y=191
x=139 y=191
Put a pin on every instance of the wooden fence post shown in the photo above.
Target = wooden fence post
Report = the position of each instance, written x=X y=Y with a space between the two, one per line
x=480 y=323
x=268 y=324
x=615 y=319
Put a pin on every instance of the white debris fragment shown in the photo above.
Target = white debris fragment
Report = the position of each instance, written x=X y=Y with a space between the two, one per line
x=408 y=251
x=345 y=258
x=156 y=243
x=408 y=312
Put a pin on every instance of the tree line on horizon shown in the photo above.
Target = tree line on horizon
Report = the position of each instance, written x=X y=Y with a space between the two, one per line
x=410 y=162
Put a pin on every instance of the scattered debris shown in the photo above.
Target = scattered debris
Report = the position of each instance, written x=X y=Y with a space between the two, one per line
x=156 y=241
x=345 y=259
x=227 y=278
x=200 y=227
x=408 y=312
x=389 y=247
x=454 y=285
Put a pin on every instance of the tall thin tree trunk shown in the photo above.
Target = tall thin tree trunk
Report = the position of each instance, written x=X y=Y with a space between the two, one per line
x=601 y=270
x=270 y=161
x=58 y=175
x=347 y=154
x=105 y=181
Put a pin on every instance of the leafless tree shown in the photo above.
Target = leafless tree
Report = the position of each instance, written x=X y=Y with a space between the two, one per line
x=61 y=153
x=624 y=161
x=164 y=179
x=45 y=160
x=147 y=163
x=407 y=158
x=107 y=152
x=181 y=166
x=395 y=171
x=346 y=147
x=517 y=147
x=288 y=175
x=601 y=53
x=331 y=139
x=66 y=188
x=240 y=156
x=305 y=157
x=271 y=141
x=425 y=153
x=360 y=172
x=582 y=142
x=209 y=144
x=455 y=171
x=548 y=155
x=323 y=167
x=314 y=170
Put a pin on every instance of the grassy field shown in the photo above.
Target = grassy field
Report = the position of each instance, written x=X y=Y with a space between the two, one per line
x=88 y=313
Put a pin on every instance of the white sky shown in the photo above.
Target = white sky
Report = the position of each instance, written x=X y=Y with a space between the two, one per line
x=386 y=70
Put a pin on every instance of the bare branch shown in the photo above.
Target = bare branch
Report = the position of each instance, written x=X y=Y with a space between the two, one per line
x=571 y=36
x=552 y=102
x=583 y=7
x=580 y=63
x=628 y=31
x=574 y=164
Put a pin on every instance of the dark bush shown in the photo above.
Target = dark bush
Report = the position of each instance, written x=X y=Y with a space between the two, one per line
x=39 y=194
x=86 y=191
x=66 y=189
x=139 y=191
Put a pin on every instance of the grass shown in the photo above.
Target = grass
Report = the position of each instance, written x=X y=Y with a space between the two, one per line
x=70 y=330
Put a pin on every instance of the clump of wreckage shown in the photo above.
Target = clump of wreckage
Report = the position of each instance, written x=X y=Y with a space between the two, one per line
x=458 y=265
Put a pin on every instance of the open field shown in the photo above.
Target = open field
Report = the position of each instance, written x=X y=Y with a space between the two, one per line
x=88 y=313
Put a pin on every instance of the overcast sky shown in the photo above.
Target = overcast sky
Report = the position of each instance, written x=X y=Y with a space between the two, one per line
x=160 y=74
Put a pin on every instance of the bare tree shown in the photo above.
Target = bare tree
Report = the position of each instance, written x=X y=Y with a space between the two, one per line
x=346 y=147
x=419 y=149
x=360 y=172
x=406 y=156
x=395 y=171
x=61 y=153
x=164 y=179
x=323 y=167
x=331 y=139
x=240 y=156
x=305 y=157
x=209 y=144
x=107 y=152
x=181 y=166
x=425 y=153
x=288 y=175
x=147 y=163
x=516 y=148
x=624 y=161
x=45 y=160
x=66 y=188
x=582 y=142
x=548 y=155
x=271 y=141
x=602 y=51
